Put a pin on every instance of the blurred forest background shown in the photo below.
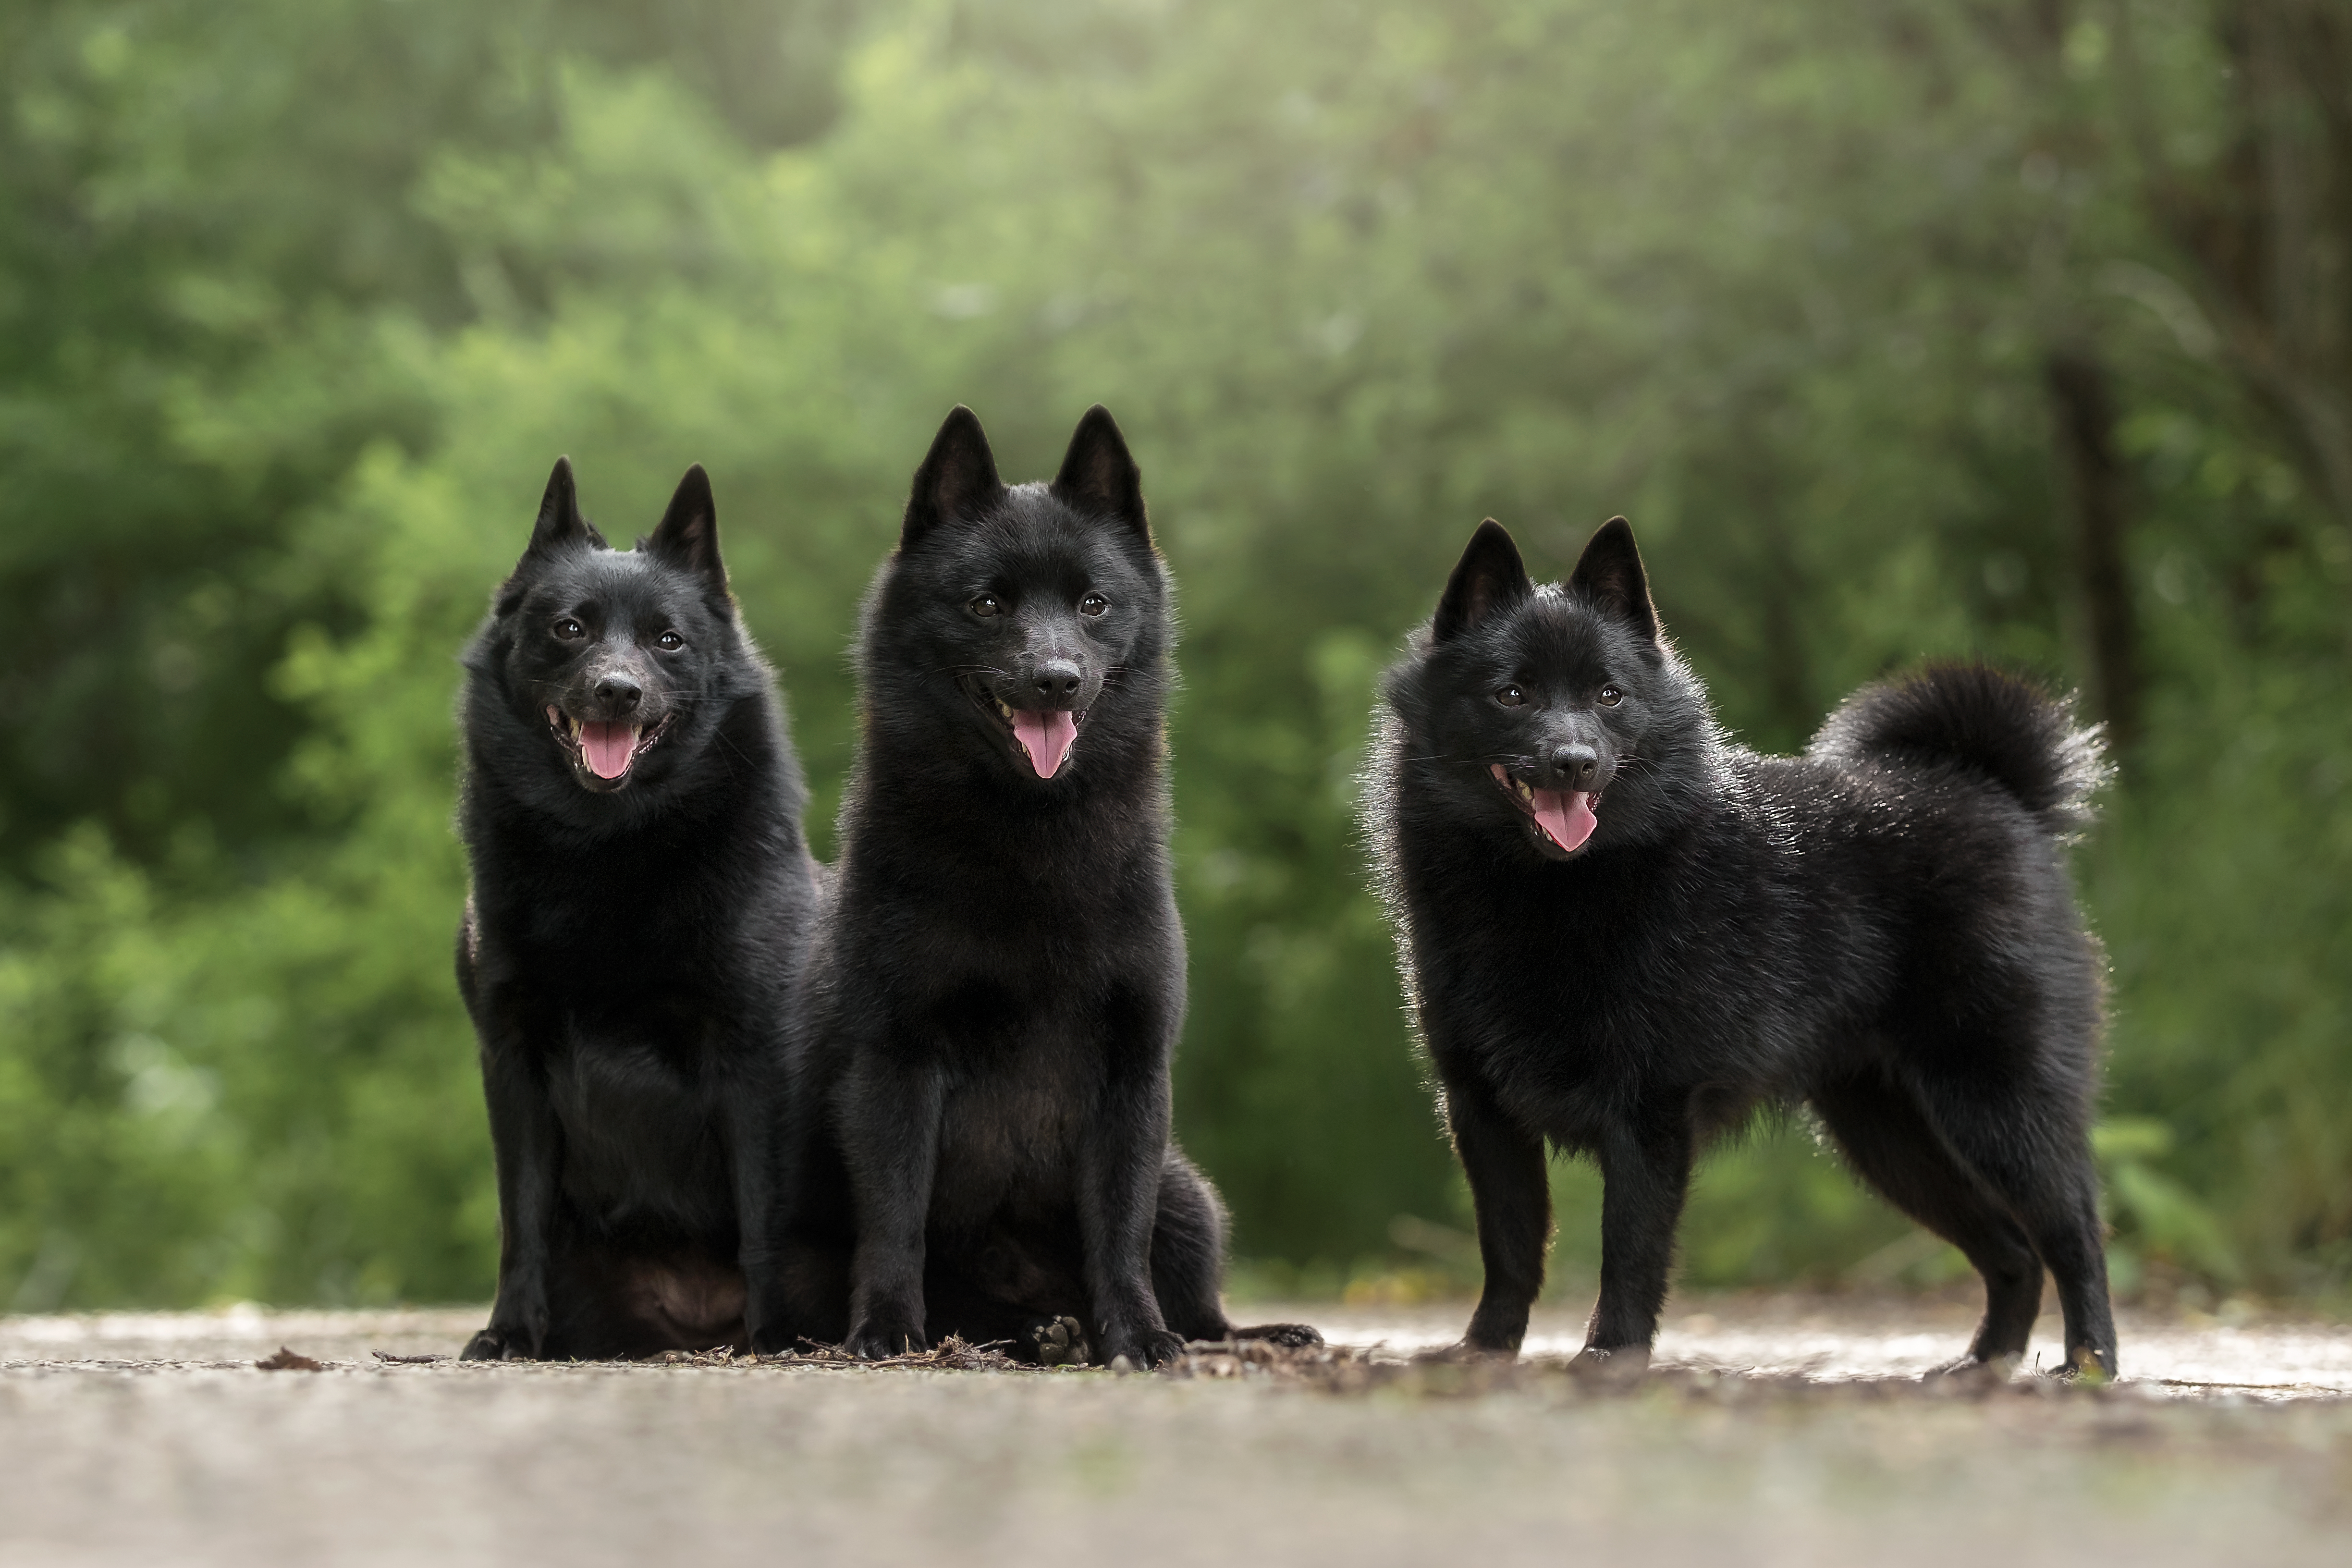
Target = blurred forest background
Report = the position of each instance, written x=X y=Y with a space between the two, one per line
x=1898 y=327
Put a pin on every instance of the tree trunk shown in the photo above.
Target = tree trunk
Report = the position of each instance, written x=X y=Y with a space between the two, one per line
x=2267 y=231
x=2096 y=499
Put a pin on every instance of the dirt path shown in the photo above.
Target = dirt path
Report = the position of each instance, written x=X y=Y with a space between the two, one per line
x=1777 y=1431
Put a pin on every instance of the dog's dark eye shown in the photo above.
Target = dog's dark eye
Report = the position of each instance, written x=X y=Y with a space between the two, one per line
x=1093 y=605
x=570 y=630
x=1511 y=697
x=669 y=642
x=1610 y=697
x=987 y=604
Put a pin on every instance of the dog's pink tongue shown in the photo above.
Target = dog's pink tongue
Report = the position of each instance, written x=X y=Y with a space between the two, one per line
x=608 y=747
x=1047 y=738
x=1566 y=814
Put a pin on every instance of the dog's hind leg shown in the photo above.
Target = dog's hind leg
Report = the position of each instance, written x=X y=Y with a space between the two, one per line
x=1188 y=1251
x=1894 y=1148
x=1188 y=1262
x=1047 y=1331
x=1019 y=1291
x=2035 y=1156
x=597 y=1305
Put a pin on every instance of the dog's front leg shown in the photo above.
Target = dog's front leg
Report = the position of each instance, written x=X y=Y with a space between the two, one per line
x=526 y=1146
x=1120 y=1154
x=757 y=1140
x=889 y=1117
x=1510 y=1191
x=1645 y=1169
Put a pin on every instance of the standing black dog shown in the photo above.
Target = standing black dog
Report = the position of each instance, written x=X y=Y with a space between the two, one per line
x=1622 y=934
x=998 y=986
x=641 y=895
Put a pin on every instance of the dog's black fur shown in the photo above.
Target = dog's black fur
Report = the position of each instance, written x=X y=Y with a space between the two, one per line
x=1884 y=927
x=630 y=946
x=983 y=1094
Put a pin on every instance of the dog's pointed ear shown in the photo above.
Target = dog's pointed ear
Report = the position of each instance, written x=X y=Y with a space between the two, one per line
x=560 y=522
x=687 y=537
x=1489 y=577
x=1610 y=573
x=957 y=482
x=1099 y=476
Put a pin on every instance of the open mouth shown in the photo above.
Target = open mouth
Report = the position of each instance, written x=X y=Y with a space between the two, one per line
x=1042 y=736
x=604 y=749
x=1563 y=818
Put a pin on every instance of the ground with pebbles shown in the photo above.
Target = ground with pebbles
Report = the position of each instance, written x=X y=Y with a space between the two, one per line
x=1772 y=1429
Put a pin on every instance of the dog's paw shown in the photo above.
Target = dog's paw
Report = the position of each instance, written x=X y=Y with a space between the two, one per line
x=2087 y=1366
x=1476 y=1346
x=495 y=1344
x=1143 y=1352
x=876 y=1340
x=1466 y=1349
x=1975 y=1371
x=1498 y=1333
x=1610 y=1368
x=1059 y=1342
x=768 y=1340
x=1289 y=1336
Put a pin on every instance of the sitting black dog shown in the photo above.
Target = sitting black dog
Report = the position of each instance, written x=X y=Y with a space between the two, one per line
x=631 y=810
x=983 y=1147
x=1621 y=933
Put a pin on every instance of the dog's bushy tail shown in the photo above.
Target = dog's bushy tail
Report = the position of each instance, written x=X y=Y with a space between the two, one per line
x=1976 y=716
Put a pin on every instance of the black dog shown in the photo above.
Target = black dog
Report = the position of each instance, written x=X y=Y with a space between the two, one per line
x=1621 y=933
x=641 y=895
x=998 y=986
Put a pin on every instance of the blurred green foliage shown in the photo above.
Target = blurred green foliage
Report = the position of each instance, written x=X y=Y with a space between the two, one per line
x=297 y=301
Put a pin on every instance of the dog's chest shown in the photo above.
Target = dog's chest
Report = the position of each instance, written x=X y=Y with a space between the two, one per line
x=613 y=949
x=1025 y=1051
x=993 y=976
x=1561 y=1014
x=639 y=1119
x=1025 y=995
x=1575 y=1001
x=1009 y=1131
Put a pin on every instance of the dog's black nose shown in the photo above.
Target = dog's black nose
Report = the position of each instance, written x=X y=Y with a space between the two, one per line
x=1575 y=766
x=619 y=694
x=1057 y=680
